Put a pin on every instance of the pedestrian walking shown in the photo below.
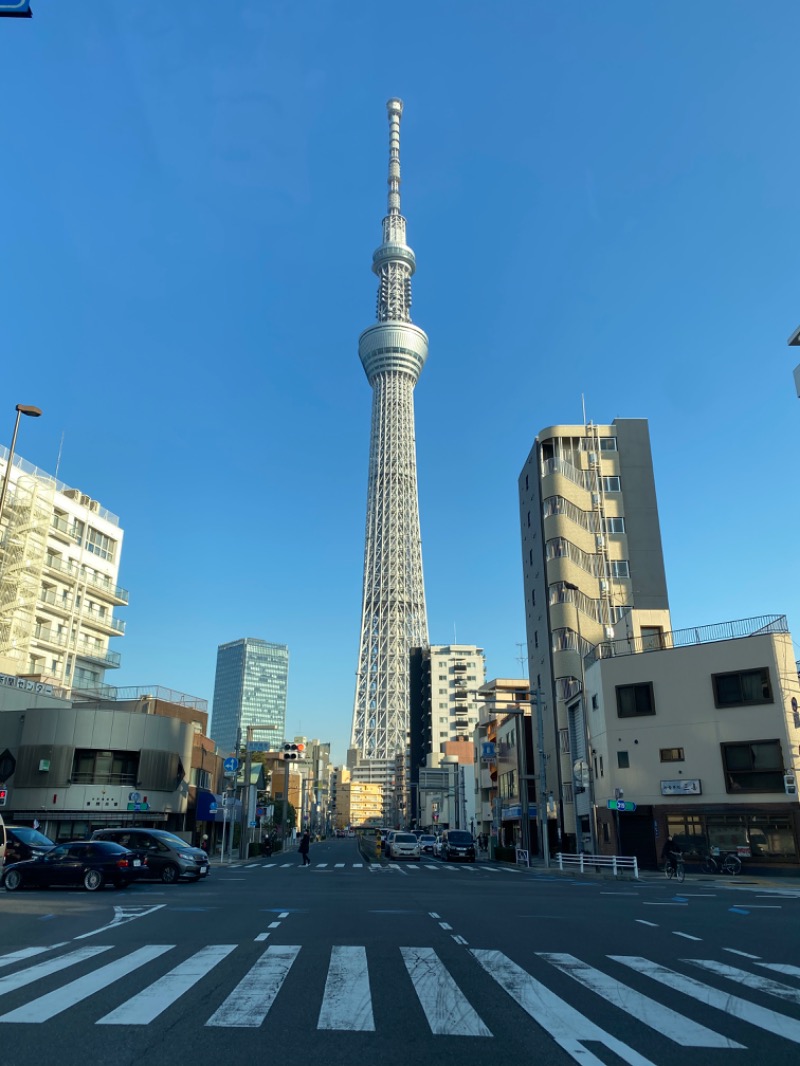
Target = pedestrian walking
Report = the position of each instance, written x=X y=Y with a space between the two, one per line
x=204 y=842
x=305 y=847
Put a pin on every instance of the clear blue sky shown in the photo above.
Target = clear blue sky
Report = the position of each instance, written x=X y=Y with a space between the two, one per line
x=603 y=200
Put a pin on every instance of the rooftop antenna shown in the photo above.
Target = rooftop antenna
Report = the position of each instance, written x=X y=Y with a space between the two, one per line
x=521 y=658
x=60 y=450
x=583 y=406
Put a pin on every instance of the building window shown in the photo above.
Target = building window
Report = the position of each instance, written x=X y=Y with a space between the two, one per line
x=99 y=544
x=620 y=568
x=753 y=767
x=595 y=701
x=533 y=597
x=623 y=760
x=529 y=519
x=107 y=768
x=671 y=754
x=615 y=525
x=563 y=741
x=742 y=687
x=608 y=444
x=568 y=792
x=536 y=639
x=611 y=484
x=635 y=700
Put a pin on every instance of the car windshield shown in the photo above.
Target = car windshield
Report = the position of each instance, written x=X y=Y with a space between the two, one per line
x=459 y=838
x=32 y=837
x=168 y=838
x=405 y=838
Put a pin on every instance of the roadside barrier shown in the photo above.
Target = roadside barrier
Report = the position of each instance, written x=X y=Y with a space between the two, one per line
x=597 y=863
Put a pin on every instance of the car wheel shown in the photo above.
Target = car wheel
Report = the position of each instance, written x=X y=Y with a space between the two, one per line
x=92 y=880
x=13 y=880
x=170 y=874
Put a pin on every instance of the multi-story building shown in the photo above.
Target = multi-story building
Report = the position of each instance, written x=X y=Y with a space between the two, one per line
x=591 y=547
x=695 y=735
x=503 y=728
x=443 y=704
x=393 y=615
x=250 y=689
x=59 y=561
x=357 y=802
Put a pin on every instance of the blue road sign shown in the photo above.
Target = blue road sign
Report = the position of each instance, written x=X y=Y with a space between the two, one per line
x=231 y=765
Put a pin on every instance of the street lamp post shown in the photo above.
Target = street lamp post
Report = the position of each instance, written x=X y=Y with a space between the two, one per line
x=585 y=714
x=22 y=409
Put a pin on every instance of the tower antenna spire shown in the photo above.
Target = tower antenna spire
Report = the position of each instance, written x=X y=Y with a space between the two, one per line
x=395 y=110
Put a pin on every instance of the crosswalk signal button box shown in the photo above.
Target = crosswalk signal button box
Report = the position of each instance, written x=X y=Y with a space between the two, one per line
x=3 y=796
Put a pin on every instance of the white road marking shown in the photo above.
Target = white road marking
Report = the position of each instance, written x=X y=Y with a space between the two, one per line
x=742 y=977
x=567 y=1026
x=339 y=866
x=43 y=969
x=779 y=967
x=249 y=1003
x=346 y=1003
x=744 y=954
x=26 y=953
x=663 y=1019
x=53 y=1003
x=766 y=1019
x=154 y=1000
x=273 y=925
x=261 y=936
x=642 y=921
x=447 y=1009
x=686 y=936
x=121 y=916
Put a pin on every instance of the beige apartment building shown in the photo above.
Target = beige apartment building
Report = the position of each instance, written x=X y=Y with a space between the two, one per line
x=356 y=801
x=591 y=551
x=59 y=561
x=698 y=729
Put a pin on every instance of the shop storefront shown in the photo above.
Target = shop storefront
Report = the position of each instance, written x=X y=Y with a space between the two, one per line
x=765 y=838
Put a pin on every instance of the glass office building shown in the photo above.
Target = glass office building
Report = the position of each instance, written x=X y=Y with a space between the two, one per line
x=249 y=689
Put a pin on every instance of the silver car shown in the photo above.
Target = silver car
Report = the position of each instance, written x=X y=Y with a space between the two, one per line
x=404 y=846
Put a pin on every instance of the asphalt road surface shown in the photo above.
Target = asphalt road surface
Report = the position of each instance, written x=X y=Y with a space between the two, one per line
x=350 y=961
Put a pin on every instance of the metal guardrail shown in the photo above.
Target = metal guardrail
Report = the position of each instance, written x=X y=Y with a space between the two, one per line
x=593 y=863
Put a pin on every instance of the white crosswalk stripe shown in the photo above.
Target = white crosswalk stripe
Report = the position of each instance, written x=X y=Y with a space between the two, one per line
x=170 y=977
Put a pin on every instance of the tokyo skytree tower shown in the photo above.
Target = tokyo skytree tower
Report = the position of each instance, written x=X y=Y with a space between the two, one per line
x=393 y=617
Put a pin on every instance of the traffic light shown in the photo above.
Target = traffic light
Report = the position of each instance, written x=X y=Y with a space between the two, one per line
x=3 y=796
x=294 y=751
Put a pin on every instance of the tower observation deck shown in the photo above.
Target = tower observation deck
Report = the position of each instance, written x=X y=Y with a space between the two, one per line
x=393 y=616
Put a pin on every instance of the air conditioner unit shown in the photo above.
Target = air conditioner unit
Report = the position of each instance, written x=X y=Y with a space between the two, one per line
x=73 y=494
x=85 y=501
x=94 y=506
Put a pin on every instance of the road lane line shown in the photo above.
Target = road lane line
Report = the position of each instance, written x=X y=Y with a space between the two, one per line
x=249 y=1003
x=347 y=1003
x=779 y=967
x=761 y=1017
x=154 y=1000
x=663 y=1019
x=447 y=1009
x=686 y=936
x=26 y=953
x=53 y=1003
x=564 y=1024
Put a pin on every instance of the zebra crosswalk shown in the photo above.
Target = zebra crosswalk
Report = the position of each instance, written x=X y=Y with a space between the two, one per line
x=375 y=866
x=156 y=979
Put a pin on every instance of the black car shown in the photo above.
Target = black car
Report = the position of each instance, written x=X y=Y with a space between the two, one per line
x=457 y=846
x=91 y=863
x=23 y=842
x=168 y=857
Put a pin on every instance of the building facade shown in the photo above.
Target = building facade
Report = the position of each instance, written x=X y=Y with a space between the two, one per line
x=591 y=550
x=393 y=615
x=503 y=732
x=250 y=688
x=696 y=735
x=59 y=560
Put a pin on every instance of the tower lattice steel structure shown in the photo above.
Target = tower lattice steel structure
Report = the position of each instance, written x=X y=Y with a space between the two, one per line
x=393 y=616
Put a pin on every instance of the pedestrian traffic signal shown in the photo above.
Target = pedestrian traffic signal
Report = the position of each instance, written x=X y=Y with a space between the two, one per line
x=294 y=751
x=3 y=796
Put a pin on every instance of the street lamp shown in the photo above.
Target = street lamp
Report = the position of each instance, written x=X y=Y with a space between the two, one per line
x=584 y=711
x=22 y=409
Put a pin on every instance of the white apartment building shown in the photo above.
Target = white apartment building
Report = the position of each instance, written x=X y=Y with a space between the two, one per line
x=591 y=550
x=59 y=560
x=695 y=734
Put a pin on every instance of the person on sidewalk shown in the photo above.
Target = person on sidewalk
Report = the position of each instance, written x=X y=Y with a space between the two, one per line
x=305 y=847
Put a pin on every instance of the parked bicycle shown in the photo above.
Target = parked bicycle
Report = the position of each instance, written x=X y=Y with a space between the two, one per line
x=726 y=863
x=675 y=868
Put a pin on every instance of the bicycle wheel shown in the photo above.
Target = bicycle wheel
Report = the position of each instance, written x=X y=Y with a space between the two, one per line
x=668 y=871
x=709 y=866
x=680 y=873
x=732 y=865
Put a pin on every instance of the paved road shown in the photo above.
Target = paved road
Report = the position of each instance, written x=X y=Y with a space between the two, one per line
x=412 y=963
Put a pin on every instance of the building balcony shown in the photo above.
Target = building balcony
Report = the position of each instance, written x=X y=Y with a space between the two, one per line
x=94 y=654
x=63 y=530
x=57 y=604
x=106 y=623
x=104 y=585
x=45 y=634
x=62 y=566
x=761 y=625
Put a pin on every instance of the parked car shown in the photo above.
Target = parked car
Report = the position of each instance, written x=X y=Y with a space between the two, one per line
x=20 y=842
x=168 y=857
x=427 y=843
x=91 y=863
x=404 y=846
x=457 y=846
